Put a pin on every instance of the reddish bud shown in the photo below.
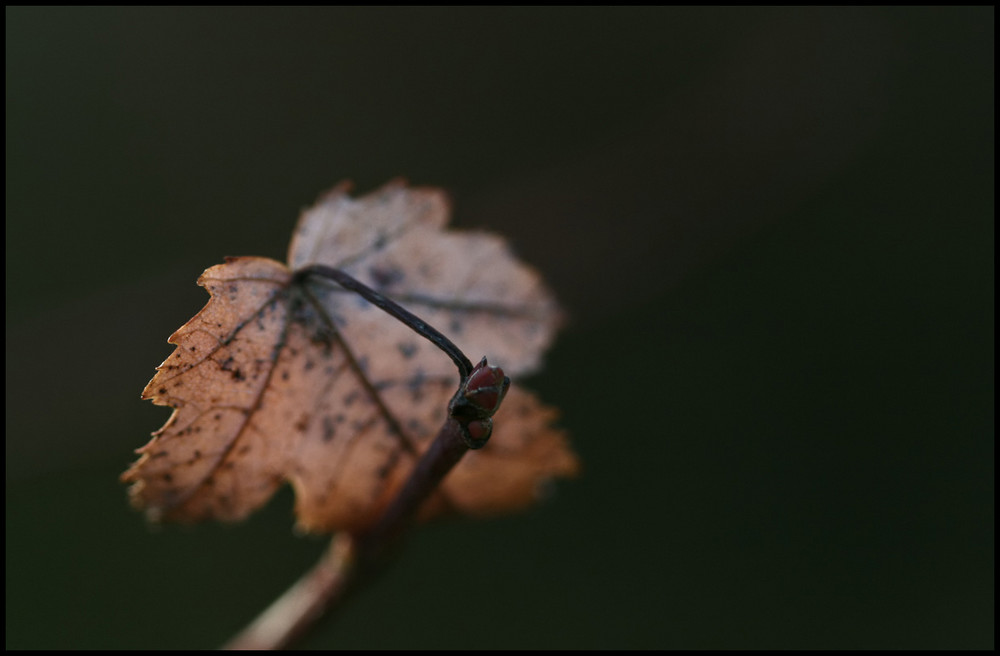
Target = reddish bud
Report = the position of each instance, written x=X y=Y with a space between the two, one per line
x=477 y=400
x=485 y=387
x=479 y=430
x=483 y=375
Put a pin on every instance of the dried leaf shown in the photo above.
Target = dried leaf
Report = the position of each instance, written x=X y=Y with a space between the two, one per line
x=283 y=378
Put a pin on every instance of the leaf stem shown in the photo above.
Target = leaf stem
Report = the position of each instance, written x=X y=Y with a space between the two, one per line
x=389 y=306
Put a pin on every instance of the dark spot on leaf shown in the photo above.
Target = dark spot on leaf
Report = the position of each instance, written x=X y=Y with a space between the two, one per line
x=361 y=426
x=389 y=464
x=309 y=365
x=407 y=349
x=416 y=385
x=243 y=450
x=159 y=454
x=168 y=477
x=328 y=428
x=302 y=424
x=163 y=390
x=385 y=276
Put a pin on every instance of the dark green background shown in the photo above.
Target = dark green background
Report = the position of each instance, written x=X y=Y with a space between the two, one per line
x=772 y=230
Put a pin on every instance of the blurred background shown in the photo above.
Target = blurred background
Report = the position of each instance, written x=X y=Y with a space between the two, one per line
x=772 y=230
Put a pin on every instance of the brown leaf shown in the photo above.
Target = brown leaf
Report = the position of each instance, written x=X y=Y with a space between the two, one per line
x=286 y=379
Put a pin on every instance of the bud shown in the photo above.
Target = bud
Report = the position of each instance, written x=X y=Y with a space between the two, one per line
x=477 y=400
x=486 y=387
x=479 y=430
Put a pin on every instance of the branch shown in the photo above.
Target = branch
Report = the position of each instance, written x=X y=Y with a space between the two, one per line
x=351 y=557
x=290 y=615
